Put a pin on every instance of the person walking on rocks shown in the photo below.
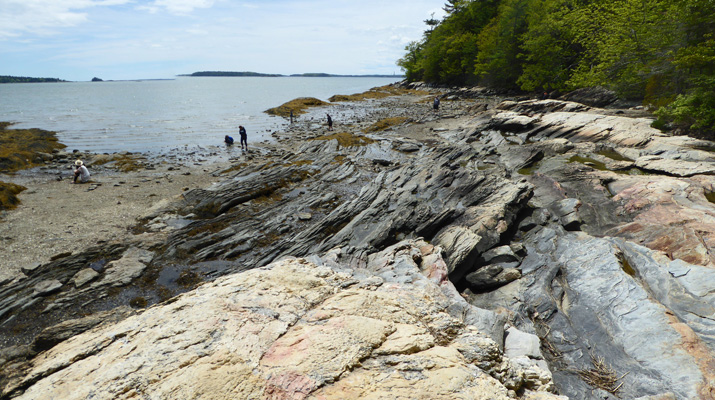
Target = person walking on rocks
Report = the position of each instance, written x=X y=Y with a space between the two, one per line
x=81 y=172
x=435 y=105
x=330 y=122
x=244 y=138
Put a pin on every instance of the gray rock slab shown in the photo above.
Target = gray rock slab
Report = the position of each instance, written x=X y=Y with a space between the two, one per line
x=501 y=254
x=121 y=272
x=518 y=344
x=46 y=287
x=84 y=276
x=675 y=167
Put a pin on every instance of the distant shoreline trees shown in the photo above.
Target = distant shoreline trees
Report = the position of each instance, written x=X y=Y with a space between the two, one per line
x=307 y=75
x=25 y=79
x=230 y=73
x=660 y=52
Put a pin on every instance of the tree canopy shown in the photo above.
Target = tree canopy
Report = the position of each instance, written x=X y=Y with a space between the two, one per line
x=661 y=52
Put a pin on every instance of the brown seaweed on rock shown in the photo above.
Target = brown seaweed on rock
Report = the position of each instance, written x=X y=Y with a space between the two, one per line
x=20 y=149
x=24 y=148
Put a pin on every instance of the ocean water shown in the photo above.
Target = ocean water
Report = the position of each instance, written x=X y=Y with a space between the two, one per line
x=159 y=115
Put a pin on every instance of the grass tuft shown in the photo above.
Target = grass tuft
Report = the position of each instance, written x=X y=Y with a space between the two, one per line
x=601 y=376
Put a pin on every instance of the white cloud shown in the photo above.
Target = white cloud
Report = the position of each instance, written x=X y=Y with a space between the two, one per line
x=125 y=39
x=18 y=17
x=179 y=7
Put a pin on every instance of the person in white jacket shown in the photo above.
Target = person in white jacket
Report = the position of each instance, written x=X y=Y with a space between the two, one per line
x=81 y=172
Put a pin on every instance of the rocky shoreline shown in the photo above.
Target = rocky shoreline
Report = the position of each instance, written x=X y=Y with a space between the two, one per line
x=550 y=249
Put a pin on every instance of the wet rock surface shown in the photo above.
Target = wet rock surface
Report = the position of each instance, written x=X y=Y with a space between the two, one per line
x=579 y=236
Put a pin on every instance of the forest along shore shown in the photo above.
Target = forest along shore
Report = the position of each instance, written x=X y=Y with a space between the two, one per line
x=561 y=248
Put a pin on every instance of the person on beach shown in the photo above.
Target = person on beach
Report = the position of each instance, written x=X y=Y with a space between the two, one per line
x=244 y=138
x=330 y=122
x=228 y=140
x=435 y=105
x=291 y=116
x=81 y=172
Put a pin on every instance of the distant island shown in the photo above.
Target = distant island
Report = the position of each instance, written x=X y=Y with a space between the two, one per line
x=25 y=79
x=309 y=75
x=229 y=73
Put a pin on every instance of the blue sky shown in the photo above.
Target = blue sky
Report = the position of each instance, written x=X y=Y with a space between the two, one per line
x=133 y=39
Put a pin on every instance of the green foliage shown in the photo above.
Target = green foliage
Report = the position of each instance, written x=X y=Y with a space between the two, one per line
x=661 y=52
x=693 y=112
x=548 y=45
x=497 y=62
x=447 y=54
x=627 y=42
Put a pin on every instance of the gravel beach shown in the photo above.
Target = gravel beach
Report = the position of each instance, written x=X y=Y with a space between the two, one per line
x=56 y=217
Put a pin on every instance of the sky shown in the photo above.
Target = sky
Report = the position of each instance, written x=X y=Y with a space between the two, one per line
x=77 y=40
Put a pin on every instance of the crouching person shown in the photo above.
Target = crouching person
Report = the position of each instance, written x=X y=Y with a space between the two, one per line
x=81 y=173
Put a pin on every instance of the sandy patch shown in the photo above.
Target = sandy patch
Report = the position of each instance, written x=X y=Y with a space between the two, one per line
x=58 y=217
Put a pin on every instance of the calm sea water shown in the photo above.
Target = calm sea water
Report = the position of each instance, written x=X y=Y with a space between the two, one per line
x=154 y=116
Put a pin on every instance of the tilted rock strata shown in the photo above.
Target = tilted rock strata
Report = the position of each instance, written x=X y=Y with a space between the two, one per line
x=641 y=313
x=294 y=330
x=587 y=231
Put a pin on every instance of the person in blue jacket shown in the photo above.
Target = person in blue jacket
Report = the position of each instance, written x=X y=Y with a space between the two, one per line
x=228 y=140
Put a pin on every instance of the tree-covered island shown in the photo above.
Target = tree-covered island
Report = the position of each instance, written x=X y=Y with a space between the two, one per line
x=25 y=79
x=660 y=52
x=308 y=75
x=230 y=73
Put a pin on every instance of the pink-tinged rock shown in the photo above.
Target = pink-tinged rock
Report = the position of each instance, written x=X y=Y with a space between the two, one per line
x=289 y=386
x=671 y=215
x=293 y=330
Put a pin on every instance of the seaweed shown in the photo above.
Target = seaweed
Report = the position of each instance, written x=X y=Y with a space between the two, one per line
x=346 y=139
x=375 y=93
x=297 y=106
x=385 y=124
x=21 y=148
x=8 y=195
x=123 y=162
